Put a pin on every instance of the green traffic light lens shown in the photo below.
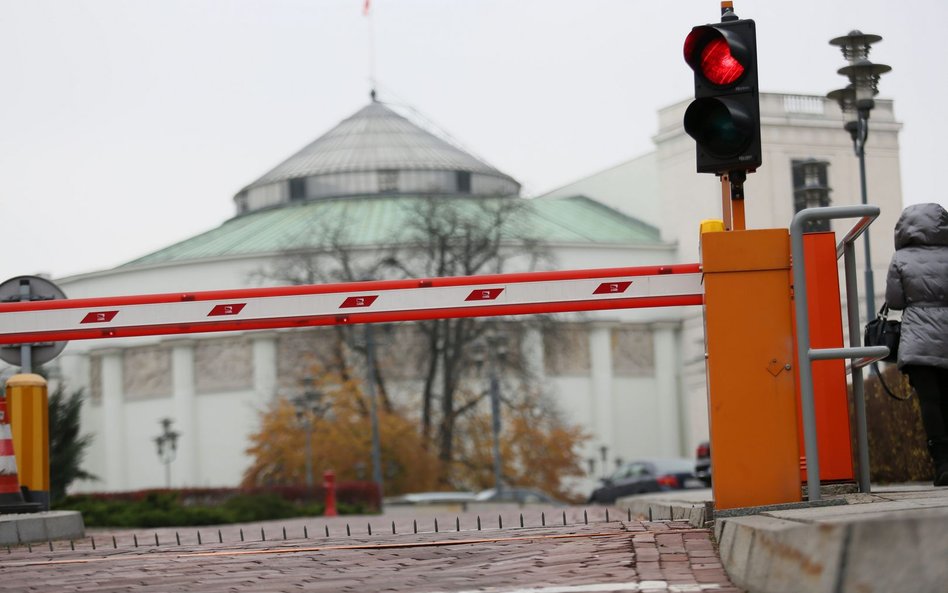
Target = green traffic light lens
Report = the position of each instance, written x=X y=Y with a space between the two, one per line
x=722 y=128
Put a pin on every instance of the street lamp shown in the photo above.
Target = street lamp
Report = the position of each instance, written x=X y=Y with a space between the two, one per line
x=167 y=443
x=309 y=404
x=493 y=349
x=603 y=454
x=856 y=101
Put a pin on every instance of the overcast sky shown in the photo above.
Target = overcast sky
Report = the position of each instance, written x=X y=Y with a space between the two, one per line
x=129 y=125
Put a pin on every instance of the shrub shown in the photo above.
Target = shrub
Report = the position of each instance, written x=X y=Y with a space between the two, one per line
x=897 y=441
x=211 y=506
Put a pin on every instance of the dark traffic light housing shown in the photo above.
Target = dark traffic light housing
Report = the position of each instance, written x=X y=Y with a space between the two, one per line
x=724 y=118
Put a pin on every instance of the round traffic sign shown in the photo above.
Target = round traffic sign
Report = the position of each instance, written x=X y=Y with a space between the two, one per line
x=30 y=288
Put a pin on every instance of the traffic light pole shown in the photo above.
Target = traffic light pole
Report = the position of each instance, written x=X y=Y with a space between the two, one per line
x=732 y=200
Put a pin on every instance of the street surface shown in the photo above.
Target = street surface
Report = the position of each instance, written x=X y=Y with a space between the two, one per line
x=587 y=554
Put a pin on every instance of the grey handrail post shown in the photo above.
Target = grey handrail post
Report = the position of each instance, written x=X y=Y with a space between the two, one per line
x=859 y=400
x=867 y=213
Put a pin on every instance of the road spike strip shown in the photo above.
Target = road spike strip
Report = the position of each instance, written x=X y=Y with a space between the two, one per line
x=457 y=523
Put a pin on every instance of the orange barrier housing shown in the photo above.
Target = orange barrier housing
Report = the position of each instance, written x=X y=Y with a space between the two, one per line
x=752 y=403
x=830 y=396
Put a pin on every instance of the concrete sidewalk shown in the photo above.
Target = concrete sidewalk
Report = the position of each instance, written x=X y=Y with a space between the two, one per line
x=16 y=529
x=894 y=539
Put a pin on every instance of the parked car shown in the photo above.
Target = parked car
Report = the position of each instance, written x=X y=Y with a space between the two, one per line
x=646 y=475
x=517 y=495
x=703 y=462
x=431 y=498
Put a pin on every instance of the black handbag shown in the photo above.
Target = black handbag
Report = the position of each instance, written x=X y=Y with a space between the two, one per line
x=882 y=331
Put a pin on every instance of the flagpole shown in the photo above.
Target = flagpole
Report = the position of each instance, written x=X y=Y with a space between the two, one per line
x=371 y=26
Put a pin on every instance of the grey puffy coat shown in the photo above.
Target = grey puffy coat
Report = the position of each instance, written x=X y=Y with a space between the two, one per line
x=918 y=283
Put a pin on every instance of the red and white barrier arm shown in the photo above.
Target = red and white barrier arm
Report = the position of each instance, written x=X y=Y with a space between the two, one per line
x=353 y=302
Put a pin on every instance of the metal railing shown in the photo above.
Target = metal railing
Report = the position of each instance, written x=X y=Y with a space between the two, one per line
x=860 y=355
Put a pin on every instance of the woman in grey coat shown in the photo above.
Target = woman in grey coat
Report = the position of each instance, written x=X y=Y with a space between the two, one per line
x=918 y=283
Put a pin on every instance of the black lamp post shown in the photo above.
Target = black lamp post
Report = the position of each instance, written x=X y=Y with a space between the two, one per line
x=309 y=404
x=167 y=443
x=856 y=101
x=494 y=350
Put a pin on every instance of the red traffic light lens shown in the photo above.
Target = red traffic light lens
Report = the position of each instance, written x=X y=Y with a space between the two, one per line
x=718 y=65
x=716 y=55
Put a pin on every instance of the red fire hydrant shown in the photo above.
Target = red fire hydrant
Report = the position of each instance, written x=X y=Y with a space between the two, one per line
x=329 y=483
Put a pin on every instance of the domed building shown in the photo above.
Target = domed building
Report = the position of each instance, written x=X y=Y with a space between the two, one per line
x=632 y=379
x=357 y=189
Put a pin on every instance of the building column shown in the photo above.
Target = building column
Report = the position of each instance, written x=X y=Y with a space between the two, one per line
x=265 y=365
x=113 y=421
x=668 y=392
x=600 y=355
x=184 y=469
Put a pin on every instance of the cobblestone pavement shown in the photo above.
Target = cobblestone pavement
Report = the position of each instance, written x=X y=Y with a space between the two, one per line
x=554 y=551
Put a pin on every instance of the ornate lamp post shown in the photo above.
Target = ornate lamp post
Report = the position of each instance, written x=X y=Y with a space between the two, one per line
x=167 y=443
x=309 y=404
x=493 y=350
x=856 y=101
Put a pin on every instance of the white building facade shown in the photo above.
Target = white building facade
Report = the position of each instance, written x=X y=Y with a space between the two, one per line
x=633 y=379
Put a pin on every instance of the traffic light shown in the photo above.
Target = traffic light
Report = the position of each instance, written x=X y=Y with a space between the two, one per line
x=724 y=118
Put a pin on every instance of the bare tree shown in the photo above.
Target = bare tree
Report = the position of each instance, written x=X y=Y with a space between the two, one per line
x=437 y=237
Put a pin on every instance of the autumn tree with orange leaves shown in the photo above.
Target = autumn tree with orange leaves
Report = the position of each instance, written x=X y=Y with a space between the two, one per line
x=341 y=441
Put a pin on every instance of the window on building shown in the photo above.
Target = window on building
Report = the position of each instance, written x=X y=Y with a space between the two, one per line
x=464 y=182
x=298 y=188
x=388 y=181
x=811 y=189
x=241 y=200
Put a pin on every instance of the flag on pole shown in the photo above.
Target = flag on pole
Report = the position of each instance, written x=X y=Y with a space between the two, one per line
x=365 y=8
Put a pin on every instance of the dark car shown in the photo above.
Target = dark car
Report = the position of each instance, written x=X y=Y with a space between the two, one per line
x=703 y=462
x=646 y=475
